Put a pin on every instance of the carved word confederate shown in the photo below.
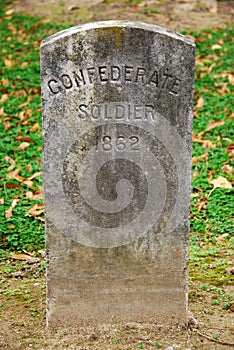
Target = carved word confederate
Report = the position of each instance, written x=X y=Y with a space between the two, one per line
x=115 y=74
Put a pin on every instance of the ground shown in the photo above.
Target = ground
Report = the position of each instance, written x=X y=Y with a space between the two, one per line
x=177 y=15
x=23 y=317
x=22 y=287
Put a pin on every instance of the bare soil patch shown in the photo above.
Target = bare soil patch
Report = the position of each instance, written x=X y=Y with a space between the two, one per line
x=177 y=15
x=23 y=320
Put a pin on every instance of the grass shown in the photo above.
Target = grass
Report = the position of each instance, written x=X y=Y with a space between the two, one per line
x=21 y=199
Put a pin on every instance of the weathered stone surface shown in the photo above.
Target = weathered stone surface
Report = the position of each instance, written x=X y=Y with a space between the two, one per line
x=117 y=121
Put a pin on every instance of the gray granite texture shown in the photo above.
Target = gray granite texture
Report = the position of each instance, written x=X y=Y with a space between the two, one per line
x=117 y=122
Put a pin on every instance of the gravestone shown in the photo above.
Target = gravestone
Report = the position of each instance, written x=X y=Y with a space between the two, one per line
x=117 y=120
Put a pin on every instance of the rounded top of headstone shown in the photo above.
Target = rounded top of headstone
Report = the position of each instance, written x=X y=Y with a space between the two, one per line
x=113 y=24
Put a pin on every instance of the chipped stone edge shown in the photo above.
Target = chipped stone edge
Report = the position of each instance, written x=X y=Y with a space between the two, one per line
x=113 y=24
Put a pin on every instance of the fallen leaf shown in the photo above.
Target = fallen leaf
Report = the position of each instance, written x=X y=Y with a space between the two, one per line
x=8 y=63
x=10 y=185
x=221 y=182
x=9 y=12
x=202 y=157
x=216 y=47
x=11 y=161
x=2 y=111
x=200 y=103
x=20 y=257
x=39 y=173
x=194 y=195
x=228 y=169
x=5 y=82
x=25 y=115
x=24 y=138
x=8 y=213
x=213 y=10
x=29 y=183
x=221 y=238
x=23 y=146
x=230 y=151
x=35 y=127
x=213 y=124
x=36 y=209
x=72 y=8
x=29 y=168
x=207 y=144
x=1 y=201
x=231 y=78
x=7 y=126
x=13 y=173
x=36 y=196
x=29 y=194
x=26 y=103
x=4 y=98
x=19 y=178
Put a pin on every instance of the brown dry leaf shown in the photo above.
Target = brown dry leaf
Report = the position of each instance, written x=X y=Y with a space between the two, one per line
x=36 y=209
x=2 y=111
x=20 y=257
x=5 y=82
x=194 y=195
x=1 y=201
x=202 y=157
x=23 y=146
x=38 y=196
x=12 y=28
x=39 y=173
x=9 y=12
x=4 y=98
x=25 y=115
x=8 y=62
x=200 y=103
x=202 y=203
x=11 y=161
x=13 y=173
x=230 y=150
x=29 y=168
x=221 y=238
x=11 y=185
x=213 y=124
x=228 y=169
x=29 y=184
x=24 y=138
x=209 y=69
x=231 y=78
x=231 y=116
x=25 y=64
x=19 y=178
x=7 y=125
x=8 y=213
x=26 y=103
x=207 y=144
x=221 y=182
x=224 y=89
x=23 y=257
x=216 y=47
x=29 y=194
x=35 y=127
